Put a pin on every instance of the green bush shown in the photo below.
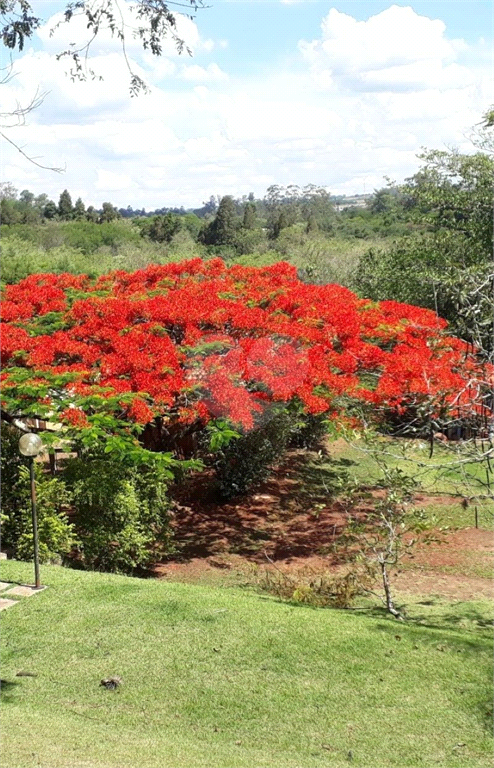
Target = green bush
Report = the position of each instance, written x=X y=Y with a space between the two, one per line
x=248 y=459
x=55 y=533
x=309 y=431
x=249 y=241
x=121 y=516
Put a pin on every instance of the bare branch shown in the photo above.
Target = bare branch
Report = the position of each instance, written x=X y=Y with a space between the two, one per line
x=32 y=159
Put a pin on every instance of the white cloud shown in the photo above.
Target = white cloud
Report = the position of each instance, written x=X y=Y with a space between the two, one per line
x=109 y=181
x=394 y=50
x=361 y=101
x=196 y=74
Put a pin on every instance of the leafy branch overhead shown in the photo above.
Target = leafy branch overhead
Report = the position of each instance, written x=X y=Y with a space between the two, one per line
x=149 y=21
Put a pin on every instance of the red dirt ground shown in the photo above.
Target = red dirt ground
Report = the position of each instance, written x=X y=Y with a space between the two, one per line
x=225 y=543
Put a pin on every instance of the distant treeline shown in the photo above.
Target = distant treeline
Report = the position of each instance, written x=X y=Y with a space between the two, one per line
x=426 y=242
x=220 y=221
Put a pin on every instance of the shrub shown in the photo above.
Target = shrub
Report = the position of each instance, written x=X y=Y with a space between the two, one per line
x=248 y=459
x=55 y=533
x=309 y=431
x=121 y=513
x=320 y=590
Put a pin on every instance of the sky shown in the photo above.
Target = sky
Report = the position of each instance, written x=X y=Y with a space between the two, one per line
x=340 y=94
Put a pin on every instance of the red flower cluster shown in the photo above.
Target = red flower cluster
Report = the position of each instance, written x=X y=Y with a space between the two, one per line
x=196 y=340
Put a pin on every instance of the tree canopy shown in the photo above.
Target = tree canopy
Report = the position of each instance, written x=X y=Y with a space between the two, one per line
x=446 y=263
x=195 y=341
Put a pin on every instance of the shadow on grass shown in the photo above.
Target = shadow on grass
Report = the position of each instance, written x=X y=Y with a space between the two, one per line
x=321 y=481
x=447 y=622
x=7 y=688
x=449 y=640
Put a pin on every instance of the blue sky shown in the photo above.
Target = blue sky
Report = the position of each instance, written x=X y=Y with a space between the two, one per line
x=286 y=91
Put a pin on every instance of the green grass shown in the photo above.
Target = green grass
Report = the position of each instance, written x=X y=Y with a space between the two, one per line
x=227 y=678
x=466 y=480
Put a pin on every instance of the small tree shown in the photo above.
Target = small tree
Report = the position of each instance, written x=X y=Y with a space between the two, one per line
x=108 y=213
x=223 y=228
x=376 y=539
x=92 y=214
x=249 y=216
x=50 y=210
x=79 y=209
x=65 y=207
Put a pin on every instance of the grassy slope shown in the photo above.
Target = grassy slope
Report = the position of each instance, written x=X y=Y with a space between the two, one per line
x=224 y=677
x=355 y=460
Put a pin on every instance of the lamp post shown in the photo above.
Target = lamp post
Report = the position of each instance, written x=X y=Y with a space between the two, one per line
x=30 y=445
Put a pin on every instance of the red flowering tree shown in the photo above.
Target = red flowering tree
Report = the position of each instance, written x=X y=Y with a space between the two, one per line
x=195 y=341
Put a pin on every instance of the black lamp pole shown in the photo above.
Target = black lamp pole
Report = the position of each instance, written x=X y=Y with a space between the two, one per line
x=30 y=445
x=37 y=582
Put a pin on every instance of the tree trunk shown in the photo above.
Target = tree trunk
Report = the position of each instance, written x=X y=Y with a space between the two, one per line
x=390 y=606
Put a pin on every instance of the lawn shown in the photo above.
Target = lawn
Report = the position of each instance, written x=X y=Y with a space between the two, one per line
x=439 y=475
x=229 y=678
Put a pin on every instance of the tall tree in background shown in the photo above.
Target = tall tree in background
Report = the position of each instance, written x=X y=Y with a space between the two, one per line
x=65 y=207
x=223 y=229
x=92 y=214
x=249 y=216
x=79 y=209
x=50 y=210
x=108 y=213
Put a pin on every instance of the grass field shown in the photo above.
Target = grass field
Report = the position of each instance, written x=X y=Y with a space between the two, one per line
x=225 y=677
x=439 y=475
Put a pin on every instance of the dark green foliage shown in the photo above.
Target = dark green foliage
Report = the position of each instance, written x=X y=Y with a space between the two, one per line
x=248 y=459
x=108 y=213
x=18 y=23
x=279 y=220
x=309 y=432
x=454 y=192
x=121 y=513
x=446 y=265
x=56 y=535
x=250 y=241
x=223 y=229
x=9 y=213
x=92 y=214
x=161 y=229
x=50 y=210
x=311 y=224
x=249 y=216
x=79 y=209
x=65 y=208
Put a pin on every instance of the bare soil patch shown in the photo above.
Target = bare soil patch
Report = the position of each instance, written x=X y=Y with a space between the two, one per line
x=293 y=523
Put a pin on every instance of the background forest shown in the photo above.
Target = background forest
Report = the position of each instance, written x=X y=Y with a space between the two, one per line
x=426 y=242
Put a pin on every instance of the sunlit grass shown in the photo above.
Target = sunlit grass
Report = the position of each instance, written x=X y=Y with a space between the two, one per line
x=227 y=678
